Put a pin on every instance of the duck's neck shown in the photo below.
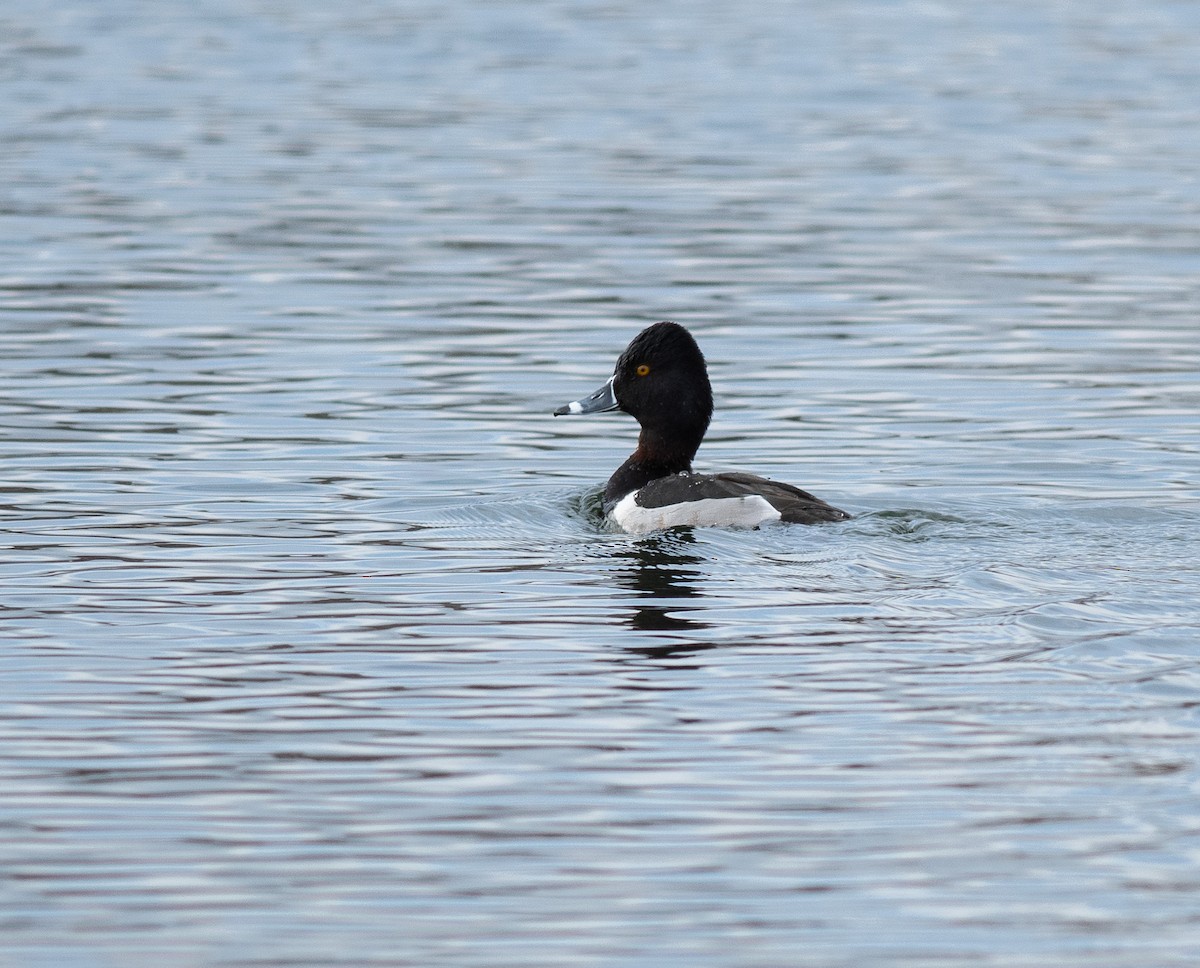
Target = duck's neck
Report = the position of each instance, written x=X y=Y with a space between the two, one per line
x=657 y=455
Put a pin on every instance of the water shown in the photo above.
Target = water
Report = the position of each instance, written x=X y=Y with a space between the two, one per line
x=314 y=650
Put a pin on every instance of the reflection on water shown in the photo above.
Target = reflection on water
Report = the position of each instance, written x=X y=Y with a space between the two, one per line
x=316 y=651
x=664 y=576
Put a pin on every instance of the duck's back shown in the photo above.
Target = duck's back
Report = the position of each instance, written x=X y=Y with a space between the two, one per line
x=729 y=500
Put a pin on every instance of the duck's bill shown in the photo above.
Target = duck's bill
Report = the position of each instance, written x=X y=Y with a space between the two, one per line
x=599 y=402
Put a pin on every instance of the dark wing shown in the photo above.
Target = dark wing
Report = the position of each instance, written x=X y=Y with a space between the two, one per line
x=794 y=505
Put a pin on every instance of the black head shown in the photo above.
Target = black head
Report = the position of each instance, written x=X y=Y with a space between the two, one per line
x=661 y=380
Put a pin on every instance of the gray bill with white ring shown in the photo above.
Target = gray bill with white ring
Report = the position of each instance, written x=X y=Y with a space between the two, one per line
x=601 y=401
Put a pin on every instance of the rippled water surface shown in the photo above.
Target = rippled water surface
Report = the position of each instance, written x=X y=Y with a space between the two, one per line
x=315 y=652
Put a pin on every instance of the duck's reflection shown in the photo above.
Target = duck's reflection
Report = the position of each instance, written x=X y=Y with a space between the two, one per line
x=664 y=574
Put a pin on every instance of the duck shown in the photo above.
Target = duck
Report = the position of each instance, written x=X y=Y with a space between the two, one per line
x=661 y=380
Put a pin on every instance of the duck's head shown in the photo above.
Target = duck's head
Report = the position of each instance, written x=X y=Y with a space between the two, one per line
x=661 y=381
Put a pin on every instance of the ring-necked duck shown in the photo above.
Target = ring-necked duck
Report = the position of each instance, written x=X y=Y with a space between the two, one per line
x=662 y=381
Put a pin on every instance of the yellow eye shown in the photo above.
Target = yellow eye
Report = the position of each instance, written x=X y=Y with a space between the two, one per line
x=643 y=370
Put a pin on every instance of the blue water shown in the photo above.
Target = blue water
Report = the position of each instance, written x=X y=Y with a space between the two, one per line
x=314 y=650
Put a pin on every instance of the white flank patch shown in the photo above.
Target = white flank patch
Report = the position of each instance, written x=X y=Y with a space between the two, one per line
x=720 y=512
